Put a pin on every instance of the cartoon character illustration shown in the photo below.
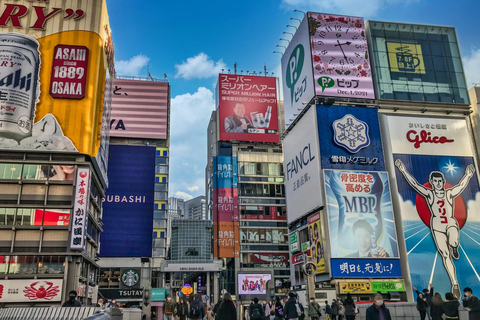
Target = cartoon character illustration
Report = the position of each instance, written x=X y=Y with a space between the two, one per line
x=443 y=225
x=41 y=290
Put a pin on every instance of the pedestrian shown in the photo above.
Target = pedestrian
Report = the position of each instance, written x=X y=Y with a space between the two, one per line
x=378 y=310
x=341 y=310
x=278 y=309
x=471 y=304
x=334 y=309
x=72 y=300
x=272 y=315
x=247 y=313
x=197 y=310
x=313 y=310
x=450 y=306
x=182 y=309
x=266 y=309
x=350 y=308
x=217 y=307
x=422 y=305
x=428 y=296
x=227 y=311
x=437 y=307
x=328 y=311
x=256 y=310
x=292 y=309
x=168 y=308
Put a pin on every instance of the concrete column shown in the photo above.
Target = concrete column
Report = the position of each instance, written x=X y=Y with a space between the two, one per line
x=208 y=289
x=216 y=289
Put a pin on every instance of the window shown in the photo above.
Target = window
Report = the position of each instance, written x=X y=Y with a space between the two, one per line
x=51 y=265
x=34 y=172
x=10 y=171
x=9 y=193
x=7 y=216
x=23 y=265
x=191 y=251
x=29 y=217
x=60 y=194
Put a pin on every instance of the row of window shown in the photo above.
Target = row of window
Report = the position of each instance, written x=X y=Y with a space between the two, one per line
x=14 y=171
x=264 y=235
x=36 y=194
x=263 y=212
x=260 y=179
x=261 y=168
x=32 y=264
x=261 y=190
x=34 y=217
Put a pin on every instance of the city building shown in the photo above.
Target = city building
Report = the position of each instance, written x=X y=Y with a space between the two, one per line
x=196 y=208
x=176 y=210
x=245 y=189
x=52 y=157
x=373 y=144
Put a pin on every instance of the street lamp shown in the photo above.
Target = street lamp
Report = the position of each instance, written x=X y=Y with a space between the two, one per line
x=281 y=39
x=295 y=19
x=278 y=52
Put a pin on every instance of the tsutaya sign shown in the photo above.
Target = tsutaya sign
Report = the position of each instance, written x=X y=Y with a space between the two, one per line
x=203 y=267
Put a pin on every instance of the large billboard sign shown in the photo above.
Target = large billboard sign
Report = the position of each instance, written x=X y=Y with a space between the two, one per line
x=54 y=60
x=31 y=291
x=129 y=202
x=247 y=108
x=417 y=63
x=438 y=194
x=253 y=283
x=350 y=138
x=139 y=109
x=302 y=168
x=316 y=241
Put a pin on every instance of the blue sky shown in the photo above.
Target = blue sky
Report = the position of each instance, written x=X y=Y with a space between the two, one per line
x=192 y=41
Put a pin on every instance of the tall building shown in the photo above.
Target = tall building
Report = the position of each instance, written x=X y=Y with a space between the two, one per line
x=375 y=141
x=53 y=152
x=196 y=208
x=135 y=207
x=245 y=189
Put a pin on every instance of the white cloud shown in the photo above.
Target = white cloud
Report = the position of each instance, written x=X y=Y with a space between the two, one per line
x=192 y=189
x=471 y=65
x=199 y=67
x=182 y=195
x=190 y=114
x=132 y=66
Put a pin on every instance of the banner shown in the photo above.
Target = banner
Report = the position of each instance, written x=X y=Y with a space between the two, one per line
x=316 y=241
x=365 y=268
x=438 y=196
x=54 y=61
x=78 y=236
x=355 y=287
x=247 y=108
x=32 y=291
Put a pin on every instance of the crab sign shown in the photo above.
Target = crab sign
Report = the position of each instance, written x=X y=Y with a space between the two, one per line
x=41 y=290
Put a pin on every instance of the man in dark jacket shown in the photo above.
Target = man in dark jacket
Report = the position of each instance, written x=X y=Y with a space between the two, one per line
x=334 y=309
x=290 y=309
x=378 y=310
x=197 y=309
x=72 y=302
x=471 y=304
x=328 y=310
x=256 y=310
x=217 y=307
x=428 y=295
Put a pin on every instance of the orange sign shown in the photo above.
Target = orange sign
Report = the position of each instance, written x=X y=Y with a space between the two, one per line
x=227 y=240
x=187 y=290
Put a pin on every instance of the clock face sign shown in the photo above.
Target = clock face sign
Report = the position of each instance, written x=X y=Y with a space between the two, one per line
x=340 y=56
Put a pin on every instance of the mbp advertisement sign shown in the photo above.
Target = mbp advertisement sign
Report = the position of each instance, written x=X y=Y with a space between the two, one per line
x=54 y=58
x=362 y=231
x=33 y=291
x=247 y=108
x=438 y=196
x=139 y=109
x=302 y=168
x=129 y=202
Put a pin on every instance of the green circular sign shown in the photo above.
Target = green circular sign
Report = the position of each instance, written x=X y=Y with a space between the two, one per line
x=130 y=277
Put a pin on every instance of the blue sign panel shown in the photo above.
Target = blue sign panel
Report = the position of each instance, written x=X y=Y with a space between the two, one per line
x=128 y=204
x=349 y=138
x=365 y=268
x=225 y=172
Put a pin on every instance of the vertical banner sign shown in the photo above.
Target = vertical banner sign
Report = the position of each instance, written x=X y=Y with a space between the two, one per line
x=341 y=66
x=361 y=224
x=247 y=108
x=80 y=216
x=438 y=196
x=69 y=72
x=315 y=240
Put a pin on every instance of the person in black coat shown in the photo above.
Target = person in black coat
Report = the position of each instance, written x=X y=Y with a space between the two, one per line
x=290 y=309
x=436 y=309
x=472 y=304
x=450 y=306
x=227 y=310
x=373 y=312
x=422 y=305
x=72 y=302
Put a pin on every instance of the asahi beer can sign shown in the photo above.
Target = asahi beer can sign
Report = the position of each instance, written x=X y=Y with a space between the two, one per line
x=19 y=90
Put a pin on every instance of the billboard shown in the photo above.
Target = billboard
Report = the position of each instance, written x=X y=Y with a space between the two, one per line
x=81 y=206
x=316 y=241
x=302 y=168
x=253 y=283
x=297 y=75
x=129 y=202
x=33 y=291
x=247 y=108
x=350 y=138
x=417 y=63
x=438 y=196
x=54 y=61
x=270 y=260
x=139 y=109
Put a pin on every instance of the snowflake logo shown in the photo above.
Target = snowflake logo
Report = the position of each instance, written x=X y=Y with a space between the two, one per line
x=351 y=133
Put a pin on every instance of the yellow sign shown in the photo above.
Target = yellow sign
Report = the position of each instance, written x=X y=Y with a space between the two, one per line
x=404 y=57
x=187 y=290
x=355 y=287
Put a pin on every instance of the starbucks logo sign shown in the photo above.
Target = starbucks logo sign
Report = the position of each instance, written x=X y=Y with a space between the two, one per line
x=130 y=277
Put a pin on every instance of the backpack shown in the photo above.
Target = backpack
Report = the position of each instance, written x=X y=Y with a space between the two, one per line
x=299 y=311
x=256 y=314
x=196 y=310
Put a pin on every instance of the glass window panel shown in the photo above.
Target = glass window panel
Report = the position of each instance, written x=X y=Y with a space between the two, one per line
x=60 y=194
x=420 y=32
x=439 y=63
x=29 y=217
x=35 y=172
x=34 y=194
x=159 y=214
x=60 y=172
x=274 y=169
x=451 y=49
x=9 y=193
x=437 y=48
x=7 y=216
x=161 y=161
x=458 y=80
x=460 y=95
x=250 y=168
x=56 y=217
x=160 y=187
x=442 y=77
x=10 y=171
x=51 y=265
x=4 y=264
x=23 y=265
x=264 y=170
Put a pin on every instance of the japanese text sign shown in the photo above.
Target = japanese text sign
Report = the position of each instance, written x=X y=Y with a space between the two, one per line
x=80 y=216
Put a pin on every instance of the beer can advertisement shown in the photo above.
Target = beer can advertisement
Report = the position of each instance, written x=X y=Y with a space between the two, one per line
x=360 y=214
x=247 y=108
x=316 y=241
x=55 y=61
x=439 y=200
x=253 y=283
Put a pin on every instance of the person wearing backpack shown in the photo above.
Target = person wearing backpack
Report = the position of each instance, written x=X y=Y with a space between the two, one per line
x=350 y=308
x=256 y=310
x=313 y=310
x=292 y=309
x=197 y=309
